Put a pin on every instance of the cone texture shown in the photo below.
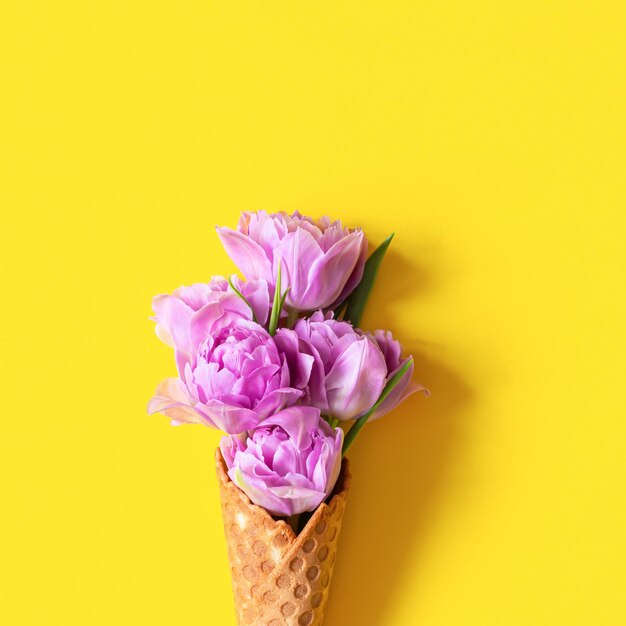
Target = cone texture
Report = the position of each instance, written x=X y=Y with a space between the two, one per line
x=280 y=579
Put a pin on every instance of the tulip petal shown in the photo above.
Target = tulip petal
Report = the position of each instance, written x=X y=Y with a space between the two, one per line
x=265 y=231
x=275 y=401
x=328 y=275
x=355 y=278
x=229 y=311
x=299 y=363
x=172 y=316
x=279 y=501
x=297 y=422
x=299 y=499
x=171 y=399
x=297 y=253
x=356 y=379
x=229 y=447
x=400 y=392
x=228 y=418
x=257 y=294
x=197 y=295
x=246 y=254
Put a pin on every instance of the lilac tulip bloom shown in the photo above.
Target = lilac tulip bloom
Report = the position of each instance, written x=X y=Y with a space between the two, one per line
x=289 y=464
x=392 y=351
x=172 y=313
x=231 y=375
x=340 y=370
x=321 y=261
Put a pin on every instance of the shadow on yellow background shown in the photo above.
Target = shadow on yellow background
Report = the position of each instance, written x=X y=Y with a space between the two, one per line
x=397 y=465
x=393 y=502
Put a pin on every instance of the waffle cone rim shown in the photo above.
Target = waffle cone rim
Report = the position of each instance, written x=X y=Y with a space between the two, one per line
x=340 y=489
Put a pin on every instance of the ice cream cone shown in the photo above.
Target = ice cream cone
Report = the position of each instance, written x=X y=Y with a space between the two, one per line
x=278 y=578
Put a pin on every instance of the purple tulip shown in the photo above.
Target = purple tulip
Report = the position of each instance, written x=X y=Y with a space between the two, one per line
x=392 y=351
x=231 y=375
x=321 y=261
x=173 y=312
x=341 y=371
x=289 y=464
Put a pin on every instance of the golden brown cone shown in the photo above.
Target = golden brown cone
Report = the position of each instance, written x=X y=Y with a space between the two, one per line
x=280 y=579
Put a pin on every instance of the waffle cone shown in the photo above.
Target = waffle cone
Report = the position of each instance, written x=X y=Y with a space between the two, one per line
x=278 y=578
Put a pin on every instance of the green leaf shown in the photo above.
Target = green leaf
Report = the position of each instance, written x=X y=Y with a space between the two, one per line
x=276 y=306
x=232 y=286
x=358 y=299
x=356 y=427
x=282 y=302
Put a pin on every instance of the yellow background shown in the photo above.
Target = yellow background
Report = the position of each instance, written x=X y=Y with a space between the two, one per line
x=489 y=135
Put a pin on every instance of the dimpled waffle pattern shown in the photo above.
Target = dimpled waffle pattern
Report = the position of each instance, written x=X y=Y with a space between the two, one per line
x=279 y=579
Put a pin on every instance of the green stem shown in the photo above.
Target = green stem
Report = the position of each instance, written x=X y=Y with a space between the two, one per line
x=276 y=307
x=294 y=522
x=354 y=431
x=302 y=522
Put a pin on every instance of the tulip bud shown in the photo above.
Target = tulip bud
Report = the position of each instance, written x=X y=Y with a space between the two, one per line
x=321 y=261
x=289 y=464
x=340 y=370
x=231 y=375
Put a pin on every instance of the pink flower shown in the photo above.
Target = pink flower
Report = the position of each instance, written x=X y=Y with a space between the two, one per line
x=340 y=370
x=172 y=313
x=321 y=262
x=231 y=375
x=392 y=351
x=289 y=464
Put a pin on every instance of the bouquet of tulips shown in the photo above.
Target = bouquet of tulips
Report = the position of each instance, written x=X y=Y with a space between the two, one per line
x=278 y=363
